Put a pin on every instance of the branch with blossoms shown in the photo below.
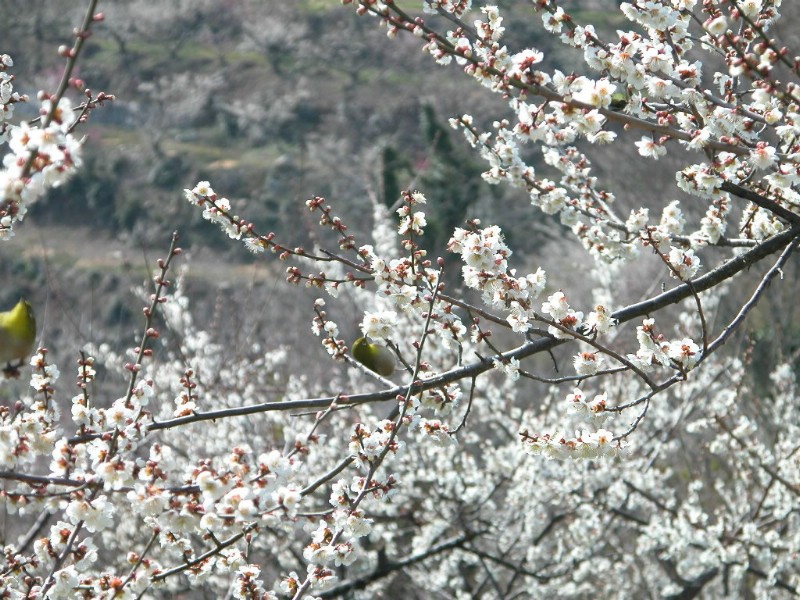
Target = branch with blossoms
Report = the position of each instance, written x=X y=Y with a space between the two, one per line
x=485 y=256
x=90 y=508
x=580 y=106
x=386 y=567
x=475 y=47
x=371 y=450
x=574 y=107
x=45 y=153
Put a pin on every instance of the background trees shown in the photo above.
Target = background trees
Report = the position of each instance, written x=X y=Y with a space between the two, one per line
x=619 y=300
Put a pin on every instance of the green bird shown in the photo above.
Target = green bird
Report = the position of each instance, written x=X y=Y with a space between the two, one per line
x=619 y=100
x=17 y=335
x=373 y=356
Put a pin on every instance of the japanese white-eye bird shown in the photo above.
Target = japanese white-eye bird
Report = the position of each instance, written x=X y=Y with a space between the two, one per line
x=619 y=100
x=17 y=334
x=374 y=356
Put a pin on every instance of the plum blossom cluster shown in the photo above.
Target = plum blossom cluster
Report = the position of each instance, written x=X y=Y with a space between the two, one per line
x=218 y=210
x=485 y=256
x=412 y=222
x=507 y=366
x=323 y=326
x=40 y=156
x=379 y=325
x=405 y=281
x=657 y=88
x=370 y=445
x=8 y=97
x=557 y=307
x=321 y=551
x=684 y=263
x=28 y=435
x=89 y=468
x=42 y=153
x=655 y=349
x=166 y=490
x=590 y=408
x=334 y=540
x=399 y=278
x=405 y=285
x=584 y=445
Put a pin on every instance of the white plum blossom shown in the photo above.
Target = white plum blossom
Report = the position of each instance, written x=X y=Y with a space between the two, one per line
x=684 y=262
x=593 y=409
x=411 y=222
x=650 y=149
x=95 y=515
x=556 y=306
x=763 y=157
x=717 y=26
x=600 y=320
x=672 y=219
x=684 y=352
x=596 y=93
x=553 y=21
x=509 y=367
x=584 y=445
x=751 y=8
x=379 y=325
x=482 y=250
x=587 y=363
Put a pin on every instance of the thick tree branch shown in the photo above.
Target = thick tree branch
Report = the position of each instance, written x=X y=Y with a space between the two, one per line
x=762 y=201
x=386 y=567
x=545 y=344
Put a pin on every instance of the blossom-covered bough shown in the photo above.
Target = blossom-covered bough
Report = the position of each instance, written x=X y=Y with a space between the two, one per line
x=433 y=483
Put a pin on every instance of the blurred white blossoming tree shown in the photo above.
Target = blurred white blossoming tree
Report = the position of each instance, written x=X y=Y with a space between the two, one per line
x=647 y=463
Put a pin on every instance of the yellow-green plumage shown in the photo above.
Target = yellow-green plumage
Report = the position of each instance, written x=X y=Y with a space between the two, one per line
x=376 y=358
x=619 y=100
x=17 y=332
